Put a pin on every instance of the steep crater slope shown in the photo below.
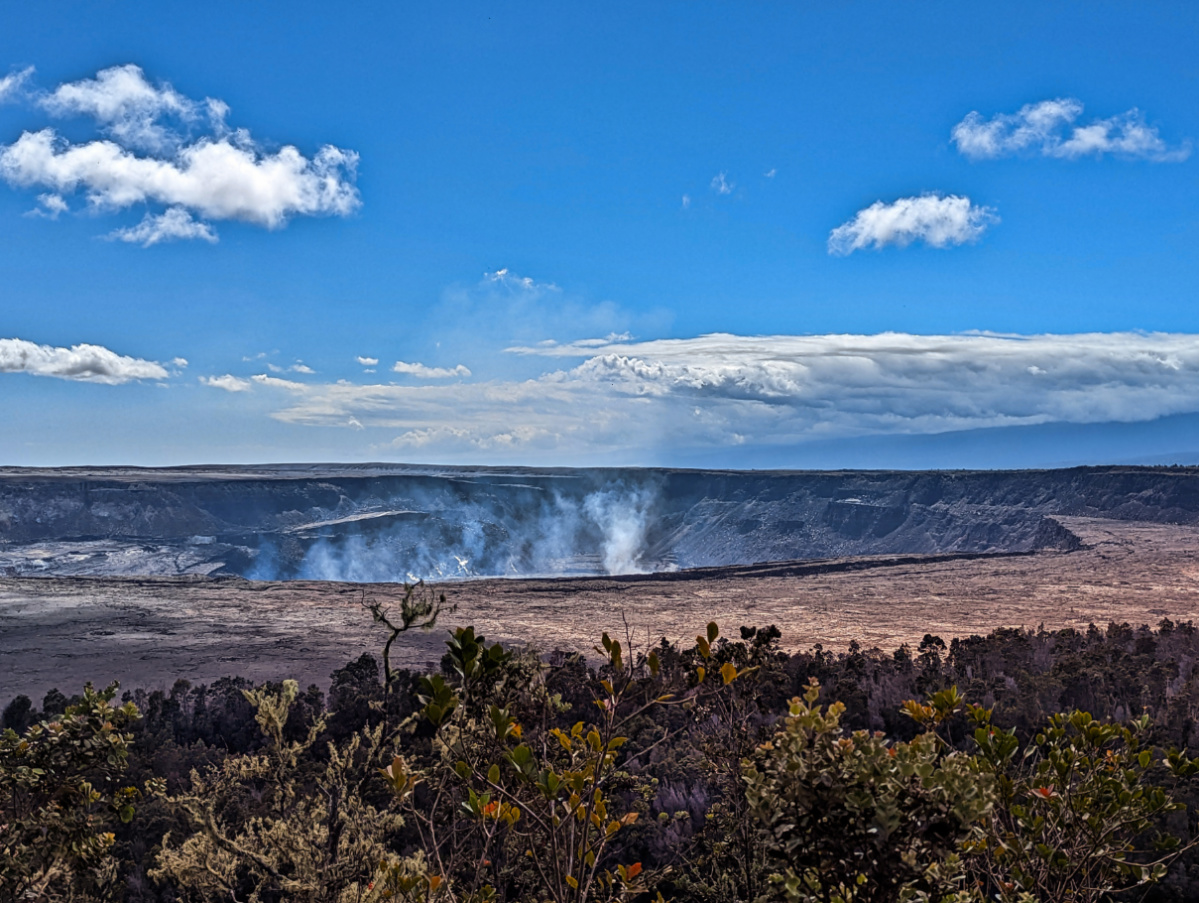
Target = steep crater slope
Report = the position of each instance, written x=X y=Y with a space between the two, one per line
x=393 y=522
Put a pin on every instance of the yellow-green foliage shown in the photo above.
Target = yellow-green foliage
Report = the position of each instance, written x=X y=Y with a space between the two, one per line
x=1075 y=811
x=263 y=829
x=859 y=817
x=507 y=779
x=57 y=802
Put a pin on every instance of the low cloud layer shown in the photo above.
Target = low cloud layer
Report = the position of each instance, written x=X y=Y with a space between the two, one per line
x=626 y=398
x=162 y=149
x=83 y=363
x=1050 y=128
x=936 y=220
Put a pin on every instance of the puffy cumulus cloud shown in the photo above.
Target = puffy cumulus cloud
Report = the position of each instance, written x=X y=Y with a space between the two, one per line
x=173 y=225
x=368 y=361
x=13 y=84
x=420 y=371
x=724 y=390
x=937 y=220
x=228 y=382
x=215 y=178
x=1049 y=128
x=84 y=363
x=149 y=156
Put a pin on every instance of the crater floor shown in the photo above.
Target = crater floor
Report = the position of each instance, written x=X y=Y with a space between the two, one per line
x=148 y=631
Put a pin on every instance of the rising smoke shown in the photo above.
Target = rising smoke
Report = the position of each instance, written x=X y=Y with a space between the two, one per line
x=500 y=531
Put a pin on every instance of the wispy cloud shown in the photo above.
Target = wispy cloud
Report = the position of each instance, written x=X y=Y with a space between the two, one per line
x=511 y=281
x=83 y=363
x=276 y=382
x=13 y=84
x=721 y=185
x=770 y=173
x=177 y=223
x=50 y=206
x=507 y=308
x=420 y=371
x=936 y=220
x=149 y=155
x=1049 y=128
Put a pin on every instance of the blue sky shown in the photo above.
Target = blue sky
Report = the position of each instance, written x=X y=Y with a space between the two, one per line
x=759 y=235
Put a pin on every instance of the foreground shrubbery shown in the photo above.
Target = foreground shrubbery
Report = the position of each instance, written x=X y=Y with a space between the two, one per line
x=723 y=771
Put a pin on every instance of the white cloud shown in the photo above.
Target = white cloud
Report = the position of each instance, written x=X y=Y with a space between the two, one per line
x=420 y=371
x=11 y=85
x=122 y=101
x=223 y=175
x=51 y=206
x=85 y=363
x=214 y=178
x=511 y=281
x=175 y=224
x=721 y=390
x=937 y=220
x=368 y=361
x=1048 y=128
x=721 y=185
x=771 y=173
x=276 y=382
x=228 y=382
x=686 y=201
x=301 y=367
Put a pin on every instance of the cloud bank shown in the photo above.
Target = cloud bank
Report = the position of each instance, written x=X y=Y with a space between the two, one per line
x=83 y=363
x=1048 y=128
x=936 y=220
x=150 y=156
x=624 y=398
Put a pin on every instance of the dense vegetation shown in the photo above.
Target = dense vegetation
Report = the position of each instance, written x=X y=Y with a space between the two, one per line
x=1022 y=766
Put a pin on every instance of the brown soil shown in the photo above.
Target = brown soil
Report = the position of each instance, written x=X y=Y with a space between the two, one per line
x=60 y=632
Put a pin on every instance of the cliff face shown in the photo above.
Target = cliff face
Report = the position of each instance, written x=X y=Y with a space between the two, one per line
x=381 y=522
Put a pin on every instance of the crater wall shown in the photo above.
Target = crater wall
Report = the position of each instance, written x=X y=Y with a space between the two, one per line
x=393 y=522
